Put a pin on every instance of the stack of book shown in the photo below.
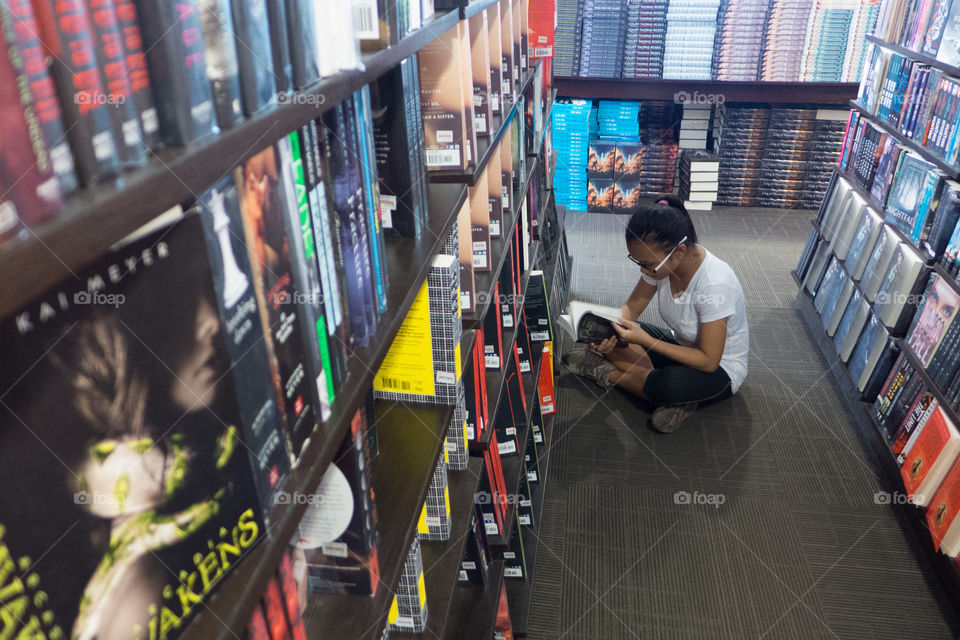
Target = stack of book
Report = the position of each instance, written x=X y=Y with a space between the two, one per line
x=568 y=37
x=862 y=23
x=739 y=41
x=645 y=37
x=688 y=50
x=277 y=615
x=699 y=179
x=695 y=125
x=781 y=158
x=571 y=139
x=824 y=53
x=618 y=119
x=604 y=28
x=785 y=40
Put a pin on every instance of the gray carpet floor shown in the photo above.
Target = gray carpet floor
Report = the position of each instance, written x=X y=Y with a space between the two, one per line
x=799 y=547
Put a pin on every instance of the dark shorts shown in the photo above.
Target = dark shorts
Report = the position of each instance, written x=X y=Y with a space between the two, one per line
x=672 y=383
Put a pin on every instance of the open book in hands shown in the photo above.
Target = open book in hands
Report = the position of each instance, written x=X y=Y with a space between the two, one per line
x=590 y=323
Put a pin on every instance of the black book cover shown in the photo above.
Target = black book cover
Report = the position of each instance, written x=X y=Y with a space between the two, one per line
x=524 y=347
x=493 y=356
x=395 y=148
x=221 y=60
x=141 y=497
x=511 y=412
x=256 y=58
x=44 y=94
x=263 y=205
x=173 y=40
x=141 y=85
x=80 y=87
x=127 y=135
x=303 y=42
x=280 y=45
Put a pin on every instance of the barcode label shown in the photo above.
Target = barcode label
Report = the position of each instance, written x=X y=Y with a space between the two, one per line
x=546 y=408
x=491 y=362
x=539 y=336
x=432 y=521
x=509 y=555
x=532 y=475
x=538 y=438
x=463 y=576
x=131 y=132
x=469 y=565
x=466 y=302
x=395 y=383
x=494 y=229
x=525 y=367
x=149 y=121
x=526 y=503
x=103 y=145
x=513 y=572
x=443 y=157
x=524 y=520
x=492 y=529
x=510 y=431
x=365 y=20
x=337 y=549
x=495 y=102
x=470 y=433
x=446 y=377
x=506 y=447
x=507 y=321
x=480 y=124
x=479 y=261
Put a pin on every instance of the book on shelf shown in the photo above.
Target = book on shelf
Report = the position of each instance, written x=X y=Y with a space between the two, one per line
x=338 y=534
x=266 y=223
x=941 y=514
x=503 y=626
x=223 y=73
x=456 y=443
x=851 y=326
x=112 y=59
x=495 y=46
x=446 y=134
x=434 y=522
x=263 y=67
x=423 y=362
x=175 y=51
x=42 y=90
x=86 y=116
x=872 y=357
x=919 y=410
x=896 y=297
x=158 y=440
x=293 y=605
x=515 y=558
x=478 y=196
x=480 y=68
x=507 y=63
x=867 y=232
x=936 y=313
x=493 y=356
x=878 y=264
x=933 y=451
x=409 y=608
x=476 y=556
x=892 y=394
x=302 y=36
x=474 y=398
x=531 y=461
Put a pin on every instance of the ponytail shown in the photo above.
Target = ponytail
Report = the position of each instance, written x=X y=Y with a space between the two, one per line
x=664 y=223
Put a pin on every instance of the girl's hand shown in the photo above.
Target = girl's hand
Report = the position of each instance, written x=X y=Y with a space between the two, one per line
x=604 y=347
x=631 y=332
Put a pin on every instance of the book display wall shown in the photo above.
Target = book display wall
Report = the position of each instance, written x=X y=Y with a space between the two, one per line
x=299 y=318
x=762 y=40
x=880 y=271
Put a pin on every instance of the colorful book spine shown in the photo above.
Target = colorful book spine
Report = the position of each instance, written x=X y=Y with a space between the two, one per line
x=257 y=59
x=220 y=45
x=140 y=82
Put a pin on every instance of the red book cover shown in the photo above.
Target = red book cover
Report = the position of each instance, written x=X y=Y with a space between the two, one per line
x=493 y=336
x=925 y=451
x=116 y=78
x=498 y=482
x=291 y=598
x=68 y=38
x=502 y=626
x=492 y=480
x=516 y=363
x=545 y=383
x=482 y=375
x=924 y=403
x=25 y=164
x=944 y=506
x=257 y=626
x=542 y=17
x=141 y=85
x=274 y=606
x=45 y=99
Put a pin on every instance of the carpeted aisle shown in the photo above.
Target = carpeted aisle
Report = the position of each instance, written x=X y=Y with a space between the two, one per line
x=758 y=519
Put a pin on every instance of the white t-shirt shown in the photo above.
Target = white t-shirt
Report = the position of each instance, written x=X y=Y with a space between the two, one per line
x=714 y=292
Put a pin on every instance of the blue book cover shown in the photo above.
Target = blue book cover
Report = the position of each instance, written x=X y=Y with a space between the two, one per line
x=906 y=192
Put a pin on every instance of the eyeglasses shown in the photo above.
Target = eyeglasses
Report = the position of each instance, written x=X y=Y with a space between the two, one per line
x=644 y=265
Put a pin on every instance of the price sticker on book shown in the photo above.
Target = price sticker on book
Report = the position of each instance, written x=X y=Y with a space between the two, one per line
x=491 y=361
x=513 y=572
x=539 y=336
x=491 y=528
x=525 y=520
x=525 y=366
x=494 y=228
x=446 y=377
x=510 y=431
x=506 y=447
x=507 y=321
x=509 y=555
x=532 y=475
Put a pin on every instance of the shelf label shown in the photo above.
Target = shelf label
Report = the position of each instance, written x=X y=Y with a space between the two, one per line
x=492 y=361
x=491 y=528
x=525 y=520
x=506 y=447
x=532 y=475
x=513 y=572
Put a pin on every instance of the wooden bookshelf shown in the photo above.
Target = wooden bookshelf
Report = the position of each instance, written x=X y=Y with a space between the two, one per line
x=827 y=93
x=94 y=219
x=952 y=171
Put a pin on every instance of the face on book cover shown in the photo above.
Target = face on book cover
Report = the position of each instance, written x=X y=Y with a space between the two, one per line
x=938 y=310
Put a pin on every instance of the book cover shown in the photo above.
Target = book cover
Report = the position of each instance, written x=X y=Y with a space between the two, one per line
x=263 y=206
x=507 y=171
x=153 y=443
x=338 y=534
x=273 y=608
x=949 y=49
x=80 y=88
x=292 y=597
x=480 y=67
x=495 y=44
x=434 y=522
x=936 y=313
x=493 y=356
x=466 y=90
x=220 y=45
x=257 y=625
x=173 y=40
x=279 y=45
x=478 y=196
x=26 y=167
x=44 y=94
x=111 y=55
x=930 y=458
x=941 y=514
x=408 y=611
x=423 y=362
x=370 y=188
x=507 y=63
x=441 y=102
x=259 y=80
x=301 y=31
x=919 y=411
x=469 y=297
